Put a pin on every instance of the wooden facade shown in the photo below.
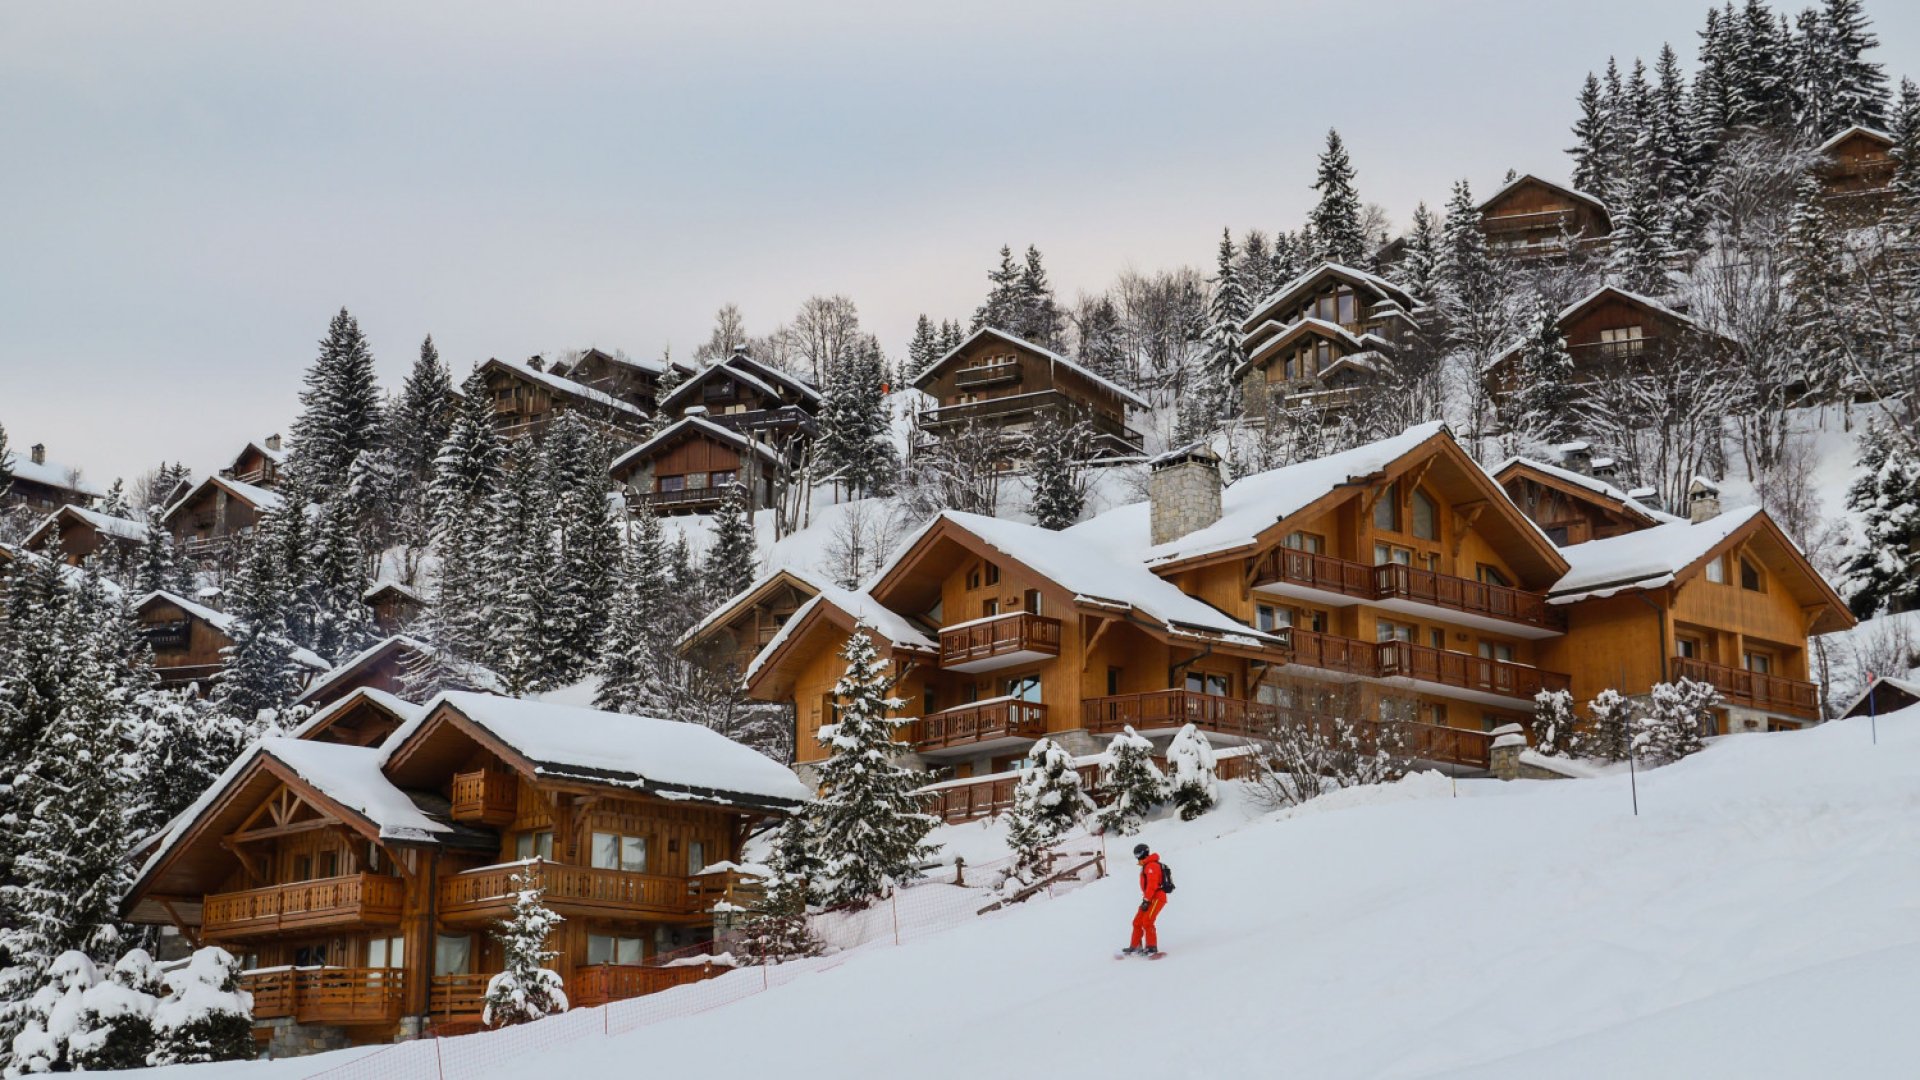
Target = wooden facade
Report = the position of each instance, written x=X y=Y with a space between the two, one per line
x=188 y=640
x=1569 y=507
x=635 y=382
x=258 y=463
x=40 y=486
x=526 y=399
x=215 y=516
x=85 y=534
x=1532 y=218
x=995 y=382
x=395 y=606
x=359 y=884
x=747 y=623
x=383 y=666
x=690 y=467
x=1856 y=173
x=1316 y=342
x=744 y=395
x=1611 y=333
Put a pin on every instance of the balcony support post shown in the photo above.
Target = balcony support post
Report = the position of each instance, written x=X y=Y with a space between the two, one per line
x=1464 y=515
x=186 y=931
x=1086 y=652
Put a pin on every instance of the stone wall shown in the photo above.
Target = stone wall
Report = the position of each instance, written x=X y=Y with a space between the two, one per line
x=289 y=1039
x=1185 y=495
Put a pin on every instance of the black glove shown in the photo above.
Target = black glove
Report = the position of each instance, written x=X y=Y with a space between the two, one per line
x=1145 y=904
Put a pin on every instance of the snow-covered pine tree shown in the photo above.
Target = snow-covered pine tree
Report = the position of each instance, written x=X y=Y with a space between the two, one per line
x=1419 y=270
x=1136 y=784
x=1103 y=341
x=468 y=474
x=951 y=335
x=526 y=988
x=1642 y=249
x=1471 y=301
x=155 y=566
x=1592 y=149
x=1553 y=730
x=855 y=442
x=1905 y=153
x=6 y=466
x=1255 y=267
x=778 y=930
x=181 y=744
x=1056 y=450
x=1040 y=320
x=1711 y=103
x=923 y=349
x=1859 y=85
x=258 y=676
x=1228 y=305
x=1193 y=787
x=632 y=653
x=1047 y=803
x=52 y=1018
x=1542 y=406
x=1671 y=155
x=1291 y=252
x=1335 y=219
x=1609 y=734
x=205 y=1015
x=417 y=427
x=1883 y=564
x=521 y=567
x=869 y=820
x=732 y=556
x=340 y=408
x=1813 y=77
x=1759 y=91
x=1002 y=308
x=342 y=622
x=116 y=1022
x=585 y=541
x=1678 y=712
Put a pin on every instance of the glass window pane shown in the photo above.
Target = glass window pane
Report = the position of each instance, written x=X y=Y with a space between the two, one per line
x=600 y=949
x=453 y=954
x=1425 y=522
x=606 y=851
x=696 y=856
x=1386 y=509
x=377 y=953
x=633 y=853
x=629 y=950
x=397 y=952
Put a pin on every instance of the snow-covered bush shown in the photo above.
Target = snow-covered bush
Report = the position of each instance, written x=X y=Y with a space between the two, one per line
x=1609 y=727
x=1679 y=713
x=1135 y=782
x=1553 y=733
x=1190 y=757
x=778 y=930
x=526 y=989
x=205 y=1015
x=55 y=1018
x=1305 y=758
x=117 y=1025
x=1047 y=802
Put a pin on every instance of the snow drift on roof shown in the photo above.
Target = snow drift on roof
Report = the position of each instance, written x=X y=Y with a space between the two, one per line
x=1373 y=281
x=894 y=629
x=1122 y=392
x=570 y=388
x=1582 y=480
x=404 y=709
x=480 y=677
x=52 y=474
x=699 y=423
x=123 y=528
x=351 y=776
x=225 y=623
x=1646 y=559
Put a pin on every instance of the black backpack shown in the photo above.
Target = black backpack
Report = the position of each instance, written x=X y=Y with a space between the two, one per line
x=1166 y=878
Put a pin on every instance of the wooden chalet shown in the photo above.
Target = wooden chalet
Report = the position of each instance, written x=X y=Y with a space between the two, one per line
x=526 y=398
x=1532 y=218
x=395 y=606
x=215 y=514
x=85 y=533
x=360 y=884
x=362 y=717
x=1856 y=173
x=41 y=486
x=744 y=395
x=258 y=463
x=189 y=640
x=741 y=627
x=997 y=383
x=1316 y=341
x=693 y=463
x=384 y=666
x=623 y=378
x=1611 y=332
x=1884 y=695
x=1572 y=507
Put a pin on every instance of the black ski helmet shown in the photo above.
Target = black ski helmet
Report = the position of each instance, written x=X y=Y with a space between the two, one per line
x=1140 y=851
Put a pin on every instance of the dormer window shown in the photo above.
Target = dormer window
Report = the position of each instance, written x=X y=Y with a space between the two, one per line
x=1751 y=579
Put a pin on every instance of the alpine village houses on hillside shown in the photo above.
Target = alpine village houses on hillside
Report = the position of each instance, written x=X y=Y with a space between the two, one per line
x=997 y=384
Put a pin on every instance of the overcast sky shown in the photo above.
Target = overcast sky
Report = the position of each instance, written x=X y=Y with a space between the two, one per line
x=189 y=190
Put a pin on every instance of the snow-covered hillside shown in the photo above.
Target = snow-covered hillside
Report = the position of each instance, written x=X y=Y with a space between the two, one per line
x=1758 y=918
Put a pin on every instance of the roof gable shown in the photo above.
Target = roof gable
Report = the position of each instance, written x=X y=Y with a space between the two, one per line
x=683 y=429
x=1588 y=489
x=1858 y=132
x=1309 y=283
x=746 y=599
x=124 y=530
x=746 y=371
x=934 y=370
x=1529 y=180
x=259 y=499
x=563 y=386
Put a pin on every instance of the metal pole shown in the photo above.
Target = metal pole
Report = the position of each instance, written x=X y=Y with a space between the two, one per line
x=895 y=899
x=1873 y=717
x=1633 y=775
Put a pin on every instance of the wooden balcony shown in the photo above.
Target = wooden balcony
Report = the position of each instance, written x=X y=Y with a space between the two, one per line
x=1017 y=637
x=987 y=796
x=598 y=984
x=1013 y=409
x=487 y=893
x=487 y=796
x=975 y=726
x=327 y=995
x=355 y=900
x=784 y=418
x=456 y=996
x=683 y=499
x=1170 y=710
x=988 y=374
x=1330 y=652
x=207 y=547
x=1404 y=659
x=1753 y=689
x=1397 y=585
x=1321 y=573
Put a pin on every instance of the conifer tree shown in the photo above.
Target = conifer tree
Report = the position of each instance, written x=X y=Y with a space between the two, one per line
x=1419 y=271
x=1711 y=94
x=156 y=567
x=951 y=335
x=1543 y=402
x=1103 y=343
x=1678 y=712
x=1883 y=564
x=1592 y=141
x=1047 y=803
x=258 y=676
x=340 y=407
x=924 y=349
x=181 y=744
x=342 y=622
x=1056 y=451
x=778 y=931
x=1136 y=784
x=522 y=569
x=1609 y=734
x=526 y=988
x=1905 y=153
x=205 y=1016
x=6 y=466
x=1002 y=308
x=1040 y=320
x=585 y=542
x=417 y=428
x=856 y=441
x=467 y=475
x=1859 y=85
x=869 y=821
x=1825 y=334
x=731 y=560
x=1254 y=269
x=1642 y=247
x=630 y=658
x=52 y=1018
x=1814 y=75
x=1335 y=220
x=1553 y=729
x=1193 y=787
x=40 y=648
x=116 y=1024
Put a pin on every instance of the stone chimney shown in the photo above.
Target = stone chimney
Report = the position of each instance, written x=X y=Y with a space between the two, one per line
x=1703 y=500
x=39 y=453
x=273 y=442
x=1183 y=487
x=537 y=362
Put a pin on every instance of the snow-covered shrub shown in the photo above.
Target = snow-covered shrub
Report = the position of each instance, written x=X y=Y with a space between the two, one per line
x=1679 y=713
x=1190 y=757
x=526 y=989
x=55 y=1018
x=1303 y=759
x=1609 y=727
x=1135 y=782
x=778 y=930
x=1553 y=733
x=118 y=1019
x=1047 y=802
x=205 y=1015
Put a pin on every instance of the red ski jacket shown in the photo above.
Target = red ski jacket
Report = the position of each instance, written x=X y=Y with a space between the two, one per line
x=1150 y=876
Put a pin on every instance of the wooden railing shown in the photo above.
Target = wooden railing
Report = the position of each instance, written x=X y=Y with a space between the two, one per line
x=1323 y=572
x=327 y=995
x=682 y=497
x=490 y=890
x=598 y=984
x=986 y=374
x=1016 y=406
x=1393 y=581
x=1159 y=710
x=457 y=995
x=988 y=796
x=206 y=546
x=786 y=416
x=352 y=900
x=1753 y=689
x=1405 y=659
x=488 y=796
x=968 y=724
x=726 y=887
x=1014 y=632
x=1330 y=652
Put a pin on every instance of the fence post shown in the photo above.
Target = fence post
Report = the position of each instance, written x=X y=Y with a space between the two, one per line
x=960 y=870
x=439 y=1067
x=894 y=900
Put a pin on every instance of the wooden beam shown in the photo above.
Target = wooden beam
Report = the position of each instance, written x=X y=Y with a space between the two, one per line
x=248 y=836
x=255 y=875
x=1420 y=473
x=1368 y=498
x=1086 y=651
x=179 y=924
x=1464 y=515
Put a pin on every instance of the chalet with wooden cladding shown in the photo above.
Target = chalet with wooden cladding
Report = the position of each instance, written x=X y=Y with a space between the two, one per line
x=395 y=606
x=526 y=398
x=363 y=717
x=636 y=382
x=1610 y=332
x=258 y=463
x=997 y=383
x=1532 y=218
x=741 y=627
x=360 y=883
x=384 y=666
x=189 y=640
x=1394 y=582
x=1856 y=172
x=692 y=465
x=1315 y=342
x=744 y=395
x=41 y=486
x=214 y=514
x=85 y=533
x=1884 y=695
x=1573 y=507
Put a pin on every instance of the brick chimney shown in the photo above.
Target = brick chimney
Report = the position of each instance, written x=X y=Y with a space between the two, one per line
x=1183 y=487
x=273 y=442
x=39 y=453
x=1703 y=500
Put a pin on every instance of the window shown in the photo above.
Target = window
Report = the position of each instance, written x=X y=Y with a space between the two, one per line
x=329 y=864
x=1031 y=603
x=1270 y=618
x=1113 y=681
x=1436 y=715
x=1024 y=687
x=1717 y=570
x=1387 y=630
x=696 y=481
x=1311 y=543
x=720 y=478
x=302 y=868
x=1280 y=697
x=1206 y=682
x=1392 y=553
x=1758 y=663
x=1496 y=650
x=390 y=952
x=1437 y=638
x=612 y=851
x=672 y=483
x=1622 y=341
x=1490 y=575
x=1686 y=648
x=696 y=856
x=1426 y=517
x=973 y=578
x=1750 y=578
x=453 y=954
x=1348 y=310
x=989 y=607
x=609 y=949
x=534 y=845
x=1386 y=509
x=1317 y=621
x=993 y=574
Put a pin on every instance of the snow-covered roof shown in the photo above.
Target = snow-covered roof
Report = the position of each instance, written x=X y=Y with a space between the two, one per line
x=726 y=608
x=480 y=677
x=351 y=776
x=655 y=368
x=117 y=527
x=225 y=623
x=1052 y=357
x=261 y=499
x=698 y=424
x=1910 y=687
x=400 y=707
x=662 y=756
x=895 y=629
x=1582 y=480
x=567 y=386
x=1592 y=200
x=1646 y=559
x=1352 y=275
x=259 y=446
x=407 y=591
x=52 y=474
x=1857 y=129
x=747 y=370
x=1574 y=308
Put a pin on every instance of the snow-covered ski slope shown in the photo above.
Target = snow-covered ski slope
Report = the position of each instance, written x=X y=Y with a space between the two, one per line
x=1760 y=918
